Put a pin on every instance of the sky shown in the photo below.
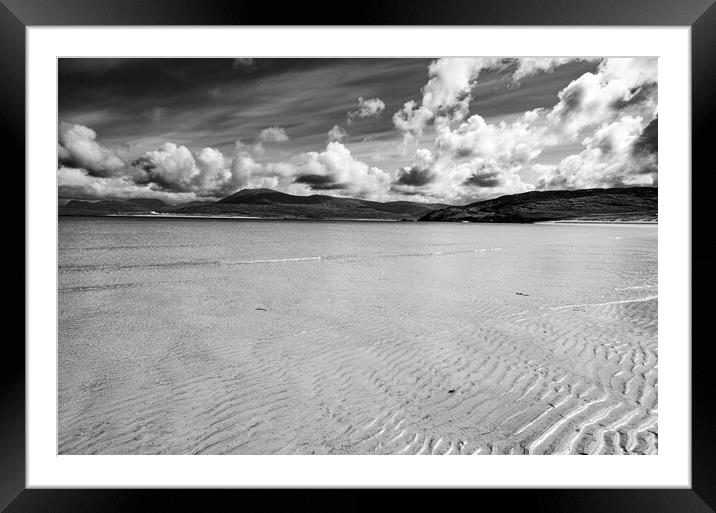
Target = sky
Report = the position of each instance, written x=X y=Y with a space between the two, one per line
x=450 y=130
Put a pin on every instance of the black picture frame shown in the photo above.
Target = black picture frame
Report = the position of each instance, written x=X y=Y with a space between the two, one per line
x=17 y=15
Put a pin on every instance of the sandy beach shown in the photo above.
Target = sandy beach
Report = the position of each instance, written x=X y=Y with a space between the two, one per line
x=205 y=337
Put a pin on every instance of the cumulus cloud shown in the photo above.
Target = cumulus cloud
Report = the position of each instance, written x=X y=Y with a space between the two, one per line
x=243 y=167
x=489 y=178
x=78 y=147
x=443 y=177
x=366 y=109
x=474 y=159
x=336 y=169
x=418 y=174
x=415 y=176
x=486 y=174
x=618 y=87
x=88 y=169
x=621 y=153
x=337 y=133
x=79 y=184
x=174 y=168
x=515 y=143
x=446 y=94
x=273 y=134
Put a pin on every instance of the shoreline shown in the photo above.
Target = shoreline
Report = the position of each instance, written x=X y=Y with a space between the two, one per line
x=599 y=222
x=238 y=218
x=352 y=220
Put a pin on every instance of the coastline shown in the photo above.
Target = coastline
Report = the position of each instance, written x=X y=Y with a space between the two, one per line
x=239 y=218
x=601 y=222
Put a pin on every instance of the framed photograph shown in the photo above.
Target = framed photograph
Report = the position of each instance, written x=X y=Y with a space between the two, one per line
x=271 y=250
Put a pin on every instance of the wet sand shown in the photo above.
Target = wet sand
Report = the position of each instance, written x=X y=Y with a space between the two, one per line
x=454 y=340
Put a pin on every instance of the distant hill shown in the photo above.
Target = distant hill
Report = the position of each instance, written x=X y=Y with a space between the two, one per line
x=273 y=204
x=634 y=204
x=118 y=207
x=110 y=207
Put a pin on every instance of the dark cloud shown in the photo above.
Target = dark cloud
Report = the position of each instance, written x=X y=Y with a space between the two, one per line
x=463 y=151
x=572 y=99
x=405 y=191
x=415 y=176
x=78 y=148
x=320 y=182
x=648 y=141
x=485 y=179
x=637 y=96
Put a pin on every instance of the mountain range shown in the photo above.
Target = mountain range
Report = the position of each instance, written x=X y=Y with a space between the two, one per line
x=635 y=204
x=630 y=204
x=264 y=203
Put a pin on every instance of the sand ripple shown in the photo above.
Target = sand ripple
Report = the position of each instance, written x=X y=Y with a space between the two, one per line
x=579 y=379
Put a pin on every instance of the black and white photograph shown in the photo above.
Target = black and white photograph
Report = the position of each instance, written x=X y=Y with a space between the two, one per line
x=357 y=256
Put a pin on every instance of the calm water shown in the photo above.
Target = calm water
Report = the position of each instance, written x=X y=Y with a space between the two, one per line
x=558 y=264
x=146 y=305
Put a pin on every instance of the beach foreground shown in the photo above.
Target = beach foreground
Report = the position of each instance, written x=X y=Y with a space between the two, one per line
x=257 y=337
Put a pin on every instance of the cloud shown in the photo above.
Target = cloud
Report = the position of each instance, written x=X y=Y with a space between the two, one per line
x=606 y=118
x=618 y=87
x=441 y=177
x=243 y=167
x=321 y=182
x=78 y=148
x=515 y=143
x=528 y=66
x=485 y=178
x=418 y=174
x=174 y=168
x=415 y=176
x=335 y=168
x=412 y=119
x=643 y=94
x=446 y=94
x=172 y=172
x=79 y=184
x=273 y=134
x=621 y=153
x=366 y=109
x=648 y=141
x=474 y=159
x=337 y=133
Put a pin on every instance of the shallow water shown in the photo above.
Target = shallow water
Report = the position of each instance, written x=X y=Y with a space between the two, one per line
x=228 y=336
